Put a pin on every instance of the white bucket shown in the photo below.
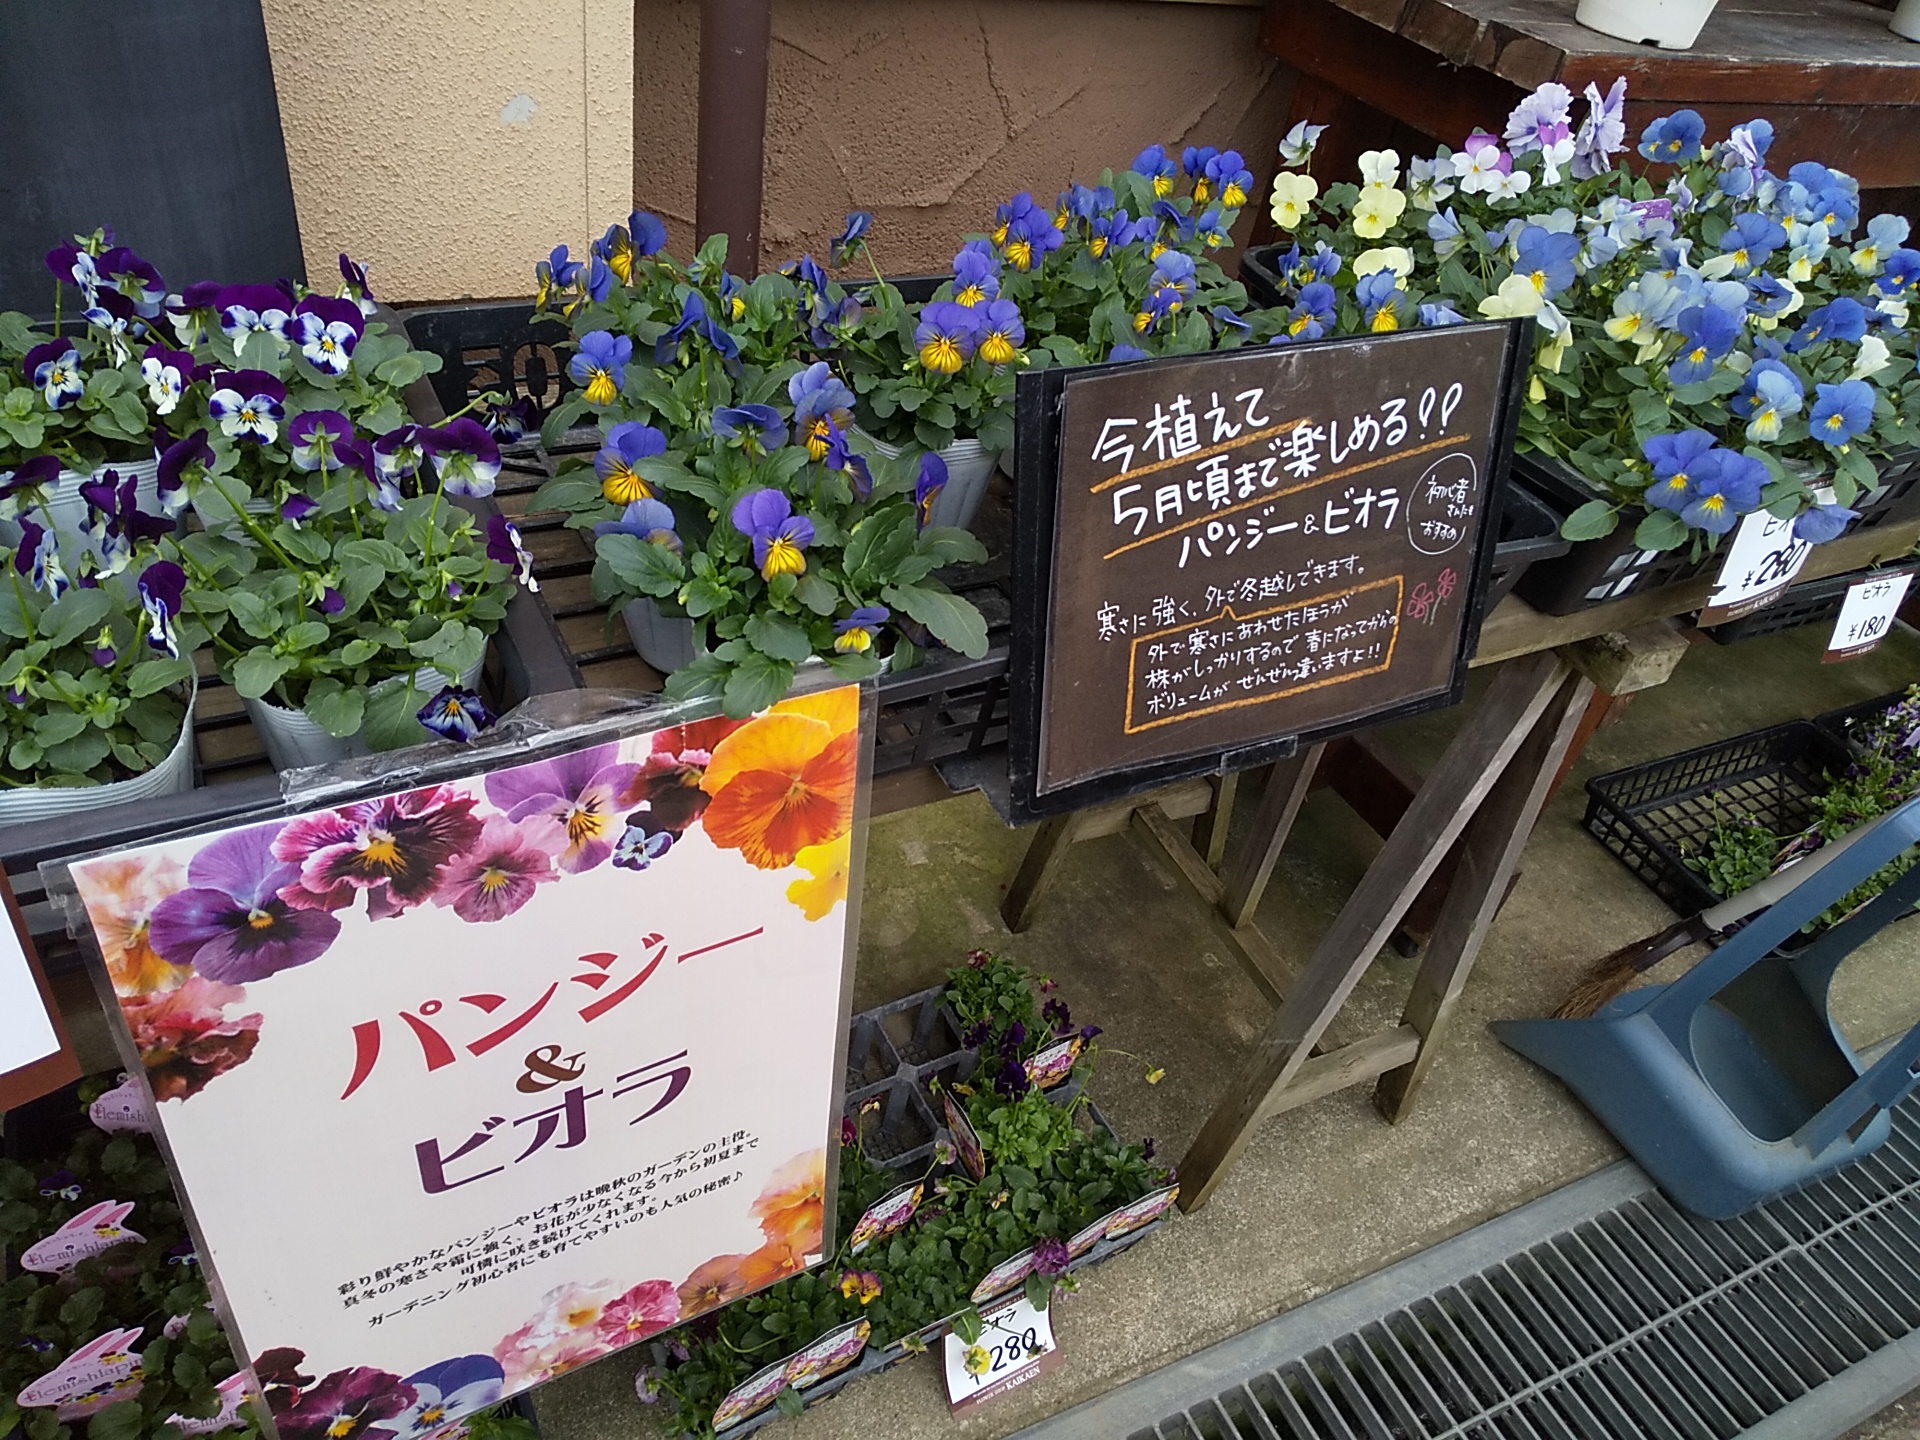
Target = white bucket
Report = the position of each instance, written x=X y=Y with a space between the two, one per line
x=666 y=642
x=1670 y=24
x=293 y=741
x=1906 y=20
x=969 y=466
x=172 y=776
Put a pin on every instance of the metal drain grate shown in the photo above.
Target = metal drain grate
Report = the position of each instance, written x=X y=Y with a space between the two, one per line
x=1598 y=1311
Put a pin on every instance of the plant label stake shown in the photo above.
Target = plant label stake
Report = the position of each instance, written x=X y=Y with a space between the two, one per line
x=1866 y=615
x=1017 y=1345
x=34 y=1054
x=1760 y=565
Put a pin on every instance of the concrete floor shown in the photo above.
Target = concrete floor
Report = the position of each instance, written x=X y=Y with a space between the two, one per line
x=1329 y=1192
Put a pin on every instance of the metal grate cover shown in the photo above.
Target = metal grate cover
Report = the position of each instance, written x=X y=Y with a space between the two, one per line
x=1600 y=1310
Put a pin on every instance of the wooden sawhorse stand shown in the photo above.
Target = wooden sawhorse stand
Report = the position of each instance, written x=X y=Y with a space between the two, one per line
x=1486 y=793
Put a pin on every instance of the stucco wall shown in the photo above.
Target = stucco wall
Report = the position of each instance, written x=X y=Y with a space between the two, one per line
x=449 y=146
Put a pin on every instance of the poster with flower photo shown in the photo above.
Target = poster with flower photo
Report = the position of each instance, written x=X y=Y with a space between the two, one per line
x=471 y=1084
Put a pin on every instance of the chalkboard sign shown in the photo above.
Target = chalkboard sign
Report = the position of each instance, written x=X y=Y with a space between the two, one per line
x=1220 y=555
x=158 y=119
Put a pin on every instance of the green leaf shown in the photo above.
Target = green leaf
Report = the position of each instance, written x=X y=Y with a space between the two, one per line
x=258 y=671
x=562 y=418
x=338 y=709
x=358 y=651
x=74 y=614
x=150 y=677
x=1590 y=521
x=816 y=594
x=955 y=623
x=576 y=490
x=704 y=679
x=307 y=635
x=788 y=1399
x=401 y=371
x=1039 y=1291
x=1660 y=530
x=119 y=1421
x=779 y=637
x=391 y=720
x=756 y=683
x=53 y=726
x=651 y=569
x=704 y=596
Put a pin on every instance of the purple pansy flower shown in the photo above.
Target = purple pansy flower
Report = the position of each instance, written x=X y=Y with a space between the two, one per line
x=26 y=483
x=248 y=404
x=854 y=467
x=580 y=791
x=926 y=489
x=73 y=266
x=456 y=714
x=231 y=925
x=134 y=279
x=345 y=1405
x=504 y=545
x=247 y=310
x=37 y=557
x=756 y=427
x=189 y=452
x=55 y=368
x=327 y=329
x=766 y=517
x=315 y=438
x=1050 y=1257
x=648 y=520
x=502 y=871
x=398 y=454
x=394 y=848
x=163 y=584
x=601 y=364
x=465 y=456
x=354 y=284
x=297 y=507
x=641 y=844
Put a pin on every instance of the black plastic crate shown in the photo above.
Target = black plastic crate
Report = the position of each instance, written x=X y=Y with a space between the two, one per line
x=922 y=1027
x=1653 y=816
x=1260 y=273
x=1839 y=722
x=871 y=1057
x=1808 y=604
x=1529 y=534
x=899 y=1132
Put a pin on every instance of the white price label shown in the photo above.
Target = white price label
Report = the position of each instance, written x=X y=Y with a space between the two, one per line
x=26 y=1034
x=1866 y=615
x=1761 y=562
x=1016 y=1345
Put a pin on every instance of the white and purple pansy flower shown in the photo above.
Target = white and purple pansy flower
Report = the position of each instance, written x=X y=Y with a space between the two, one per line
x=446 y=1392
x=504 y=544
x=190 y=453
x=248 y=404
x=191 y=310
x=166 y=374
x=55 y=368
x=581 y=790
x=315 y=438
x=327 y=329
x=26 y=483
x=37 y=557
x=111 y=316
x=247 y=310
x=399 y=454
x=456 y=714
x=73 y=266
x=134 y=278
x=354 y=284
x=465 y=456
x=163 y=585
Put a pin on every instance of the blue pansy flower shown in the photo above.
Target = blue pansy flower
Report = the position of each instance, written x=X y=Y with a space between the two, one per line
x=855 y=634
x=755 y=427
x=55 y=368
x=1440 y=313
x=1228 y=179
x=1674 y=459
x=505 y=546
x=1841 y=413
x=1751 y=239
x=1378 y=293
x=1546 y=259
x=1726 y=485
x=315 y=438
x=695 y=321
x=1839 y=319
x=1154 y=163
x=456 y=714
x=1121 y=353
x=1901 y=275
x=927 y=486
x=649 y=235
x=557 y=274
x=1707 y=333
x=601 y=365
x=1311 y=314
x=1771 y=396
x=1108 y=233
x=599 y=280
x=820 y=401
x=1673 y=139
x=1823 y=523
x=976 y=275
x=1766 y=296
x=848 y=241
x=649 y=520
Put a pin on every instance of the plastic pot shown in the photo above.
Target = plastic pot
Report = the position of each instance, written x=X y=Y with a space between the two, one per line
x=1906 y=20
x=172 y=776
x=666 y=642
x=1670 y=24
x=294 y=741
x=66 y=511
x=969 y=466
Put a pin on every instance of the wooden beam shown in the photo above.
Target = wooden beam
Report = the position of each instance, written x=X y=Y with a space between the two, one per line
x=1210 y=826
x=1246 y=880
x=1270 y=971
x=1051 y=839
x=1324 y=1075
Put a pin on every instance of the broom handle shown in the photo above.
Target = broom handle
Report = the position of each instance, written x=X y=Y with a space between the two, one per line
x=1758 y=897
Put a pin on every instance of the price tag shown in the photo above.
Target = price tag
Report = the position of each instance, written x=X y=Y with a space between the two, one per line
x=34 y=1054
x=1016 y=1345
x=1866 y=615
x=1761 y=562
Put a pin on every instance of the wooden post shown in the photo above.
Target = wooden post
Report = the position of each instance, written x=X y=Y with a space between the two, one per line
x=1287 y=784
x=1472 y=765
x=1210 y=826
x=1044 y=853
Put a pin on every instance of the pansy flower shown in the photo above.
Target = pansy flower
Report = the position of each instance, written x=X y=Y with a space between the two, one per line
x=232 y=923
x=1228 y=178
x=1297 y=145
x=399 y=454
x=1726 y=485
x=1030 y=239
x=26 y=483
x=1478 y=162
x=694 y=321
x=579 y=791
x=927 y=486
x=599 y=281
x=641 y=843
x=314 y=438
x=37 y=558
x=1841 y=318
x=1747 y=242
x=190 y=453
x=648 y=233
x=1841 y=413
x=850 y=238
x=458 y=714
x=115 y=523
x=508 y=420
x=504 y=545
x=1293 y=196
x=394 y=849
x=1168 y=288
x=756 y=429
x=326 y=329
x=976 y=275
x=248 y=404
x=1546 y=258
x=820 y=401
x=1000 y=333
x=165 y=373
x=557 y=275
x=627 y=444
x=503 y=869
x=112 y=317
x=601 y=364
x=297 y=507
x=353 y=284
x=1106 y=234
x=345 y=1406
x=55 y=368
x=1707 y=332
x=1158 y=168
x=73 y=266
x=855 y=634
x=944 y=338
x=445 y=1392
x=841 y=457
x=1674 y=460
x=1902 y=270
x=248 y=310
x=1673 y=139
x=779 y=536
x=1379 y=296
x=615 y=250
x=464 y=455
x=645 y=519
x=1312 y=313
x=1193 y=164
x=1822 y=523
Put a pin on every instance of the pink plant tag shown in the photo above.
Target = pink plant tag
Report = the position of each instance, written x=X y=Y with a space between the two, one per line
x=828 y=1355
x=965 y=1140
x=886 y=1215
x=1050 y=1066
x=93 y=1230
x=750 y=1396
x=233 y=1393
x=100 y=1372
x=1079 y=1244
x=123 y=1109
x=1144 y=1211
x=1003 y=1277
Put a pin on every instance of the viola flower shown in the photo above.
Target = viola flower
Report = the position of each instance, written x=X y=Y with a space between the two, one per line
x=783 y=781
x=1154 y=163
x=976 y=275
x=1873 y=356
x=1602 y=135
x=557 y=275
x=455 y=713
x=1108 y=233
x=248 y=404
x=1118 y=354
x=820 y=401
x=314 y=438
x=1379 y=295
x=1297 y=145
x=327 y=329
x=1673 y=139
x=55 y=368
x=1193 y=163
x=1293 y=196
x=1030 y=239
x=1770 y=298
x=1437 y=313
x=850 y=238
x=399 y=454
x=766 y=517
x=162 y=585
x=944 y=339
x=1771 y=396
x=25 y=484
x=1000 y=333
x=1312 y=314
x=694 y=320
x=627 y=444
x=248 y=310
x=353 y=283
x=1050 y=1257
x=444 y=1393
x=1707 y=333
x=74 y=266
x=856 y=633
x=790 y=1208
x=1822 y=523
x=641 y=844
x=1675 y=459
x=190 y=453
x=648 y=520
x=231 y=924
x=504 y=545
x=465 y=457
x=508 y=421
x=601 y=364
x=393 y=848
x=344 y=1406
x=756 y=428
x=1901 y=273
x=861 y=1285
x=502 y=870
x=1546 y=259
x=615 y=251
x=1841 y=413
x=37 y=557
x=1477 y=163
x=1228 y=179
x=599 y=280
x=579 y=791
x=1838 y=319
x=1726 y=485
x=927 y=486
x=166 y=374
x=841 y=458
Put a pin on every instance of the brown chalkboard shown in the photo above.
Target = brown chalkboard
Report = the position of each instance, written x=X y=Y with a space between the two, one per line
x=1220 y=554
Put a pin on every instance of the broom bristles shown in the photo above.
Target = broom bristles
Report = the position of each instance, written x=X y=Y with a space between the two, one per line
x=1610 y=976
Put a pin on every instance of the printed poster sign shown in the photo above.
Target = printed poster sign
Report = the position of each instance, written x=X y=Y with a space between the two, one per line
x=1231 y=551
x=472 y=1084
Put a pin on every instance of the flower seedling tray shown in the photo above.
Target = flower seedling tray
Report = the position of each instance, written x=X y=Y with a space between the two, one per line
x=899 y=1135
x=1808 y=604
x=1839 y=722
x=1652 y=816
x=1260 y=273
